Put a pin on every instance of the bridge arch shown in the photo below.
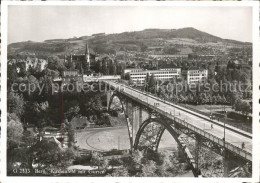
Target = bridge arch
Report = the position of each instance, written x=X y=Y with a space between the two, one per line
x=130 y=110
x=115 y=94
x=124 y=110
x=154 y=135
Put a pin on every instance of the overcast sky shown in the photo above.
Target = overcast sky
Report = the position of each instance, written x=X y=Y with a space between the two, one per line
x=38 y=23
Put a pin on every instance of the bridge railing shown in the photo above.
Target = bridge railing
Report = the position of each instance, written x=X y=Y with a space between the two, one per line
x=221 y=142
x=241 y=152
x=231 y=147
x=247 y=129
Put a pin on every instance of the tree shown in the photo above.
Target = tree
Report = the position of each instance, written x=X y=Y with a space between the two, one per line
x=147 y=78
x=48 y=88
x=68 y=156
x=121 y=172
x=71 y=112
x=97 y=67
x=103 y=119
x=29 y=138
x=238 y=104
x=203 y=98
x=14 y=131
x=32 y=114
x=52 y=73
x=219 y=99
x=214 y=100
x=114 y=69
x=244 y=77
x=104 y=68
x=15 y=104
x=105 y=164
x=169 y=165
x=47 y=153
x=56 y=64
x=96 y=159
x=115 y=162
x=190 y=98
x=245 y=108
x=137 y=157
x=11 y=75
x=223 y=100
x=127 y=76
x=71 y=133
x=235 y=75
x=229 y=75
x=97 y=103
x=152 y=84
x=149 y=169
x=22 y=72
x=234 y=96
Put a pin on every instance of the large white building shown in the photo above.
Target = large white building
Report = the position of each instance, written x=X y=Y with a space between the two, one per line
x=128 y=70
x=196 y=75
x=138 y=76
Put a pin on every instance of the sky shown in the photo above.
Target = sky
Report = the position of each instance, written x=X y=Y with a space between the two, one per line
x=39 y=23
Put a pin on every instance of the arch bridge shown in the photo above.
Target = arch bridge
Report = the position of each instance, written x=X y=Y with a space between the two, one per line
x=147 y=118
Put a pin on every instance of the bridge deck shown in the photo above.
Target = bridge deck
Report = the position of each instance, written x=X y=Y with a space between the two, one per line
x=233 y=136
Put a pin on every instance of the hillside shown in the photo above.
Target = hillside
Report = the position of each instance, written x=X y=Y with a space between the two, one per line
x=111 y=43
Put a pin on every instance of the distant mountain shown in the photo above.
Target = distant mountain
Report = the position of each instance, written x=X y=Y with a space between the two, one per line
x=189 y=32
x=102 y=42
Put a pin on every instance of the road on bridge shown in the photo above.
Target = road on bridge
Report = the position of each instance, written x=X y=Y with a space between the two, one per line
x=231 y=137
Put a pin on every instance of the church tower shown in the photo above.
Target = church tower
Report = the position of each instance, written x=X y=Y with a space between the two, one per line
x=87 y=56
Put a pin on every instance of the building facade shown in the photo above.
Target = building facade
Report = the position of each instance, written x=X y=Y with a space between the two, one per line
x=139 y=76
x=70 y=73
x=128 y=70
x=196 y=75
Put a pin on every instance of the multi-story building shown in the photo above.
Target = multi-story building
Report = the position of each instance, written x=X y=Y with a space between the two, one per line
x=128 y=70
x=138 y=76
x=69 y=76
x=197 y=75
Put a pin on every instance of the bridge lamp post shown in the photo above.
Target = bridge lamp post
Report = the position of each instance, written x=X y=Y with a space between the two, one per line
x=224 y=139
x=210 y=105
x=225 y=112
x=147 y=97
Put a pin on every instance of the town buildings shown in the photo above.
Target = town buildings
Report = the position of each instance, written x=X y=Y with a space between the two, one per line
x=138 y=76
x=197 y=75
x=29 y=62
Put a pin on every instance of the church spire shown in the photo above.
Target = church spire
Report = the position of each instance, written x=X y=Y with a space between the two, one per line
x=87 y=55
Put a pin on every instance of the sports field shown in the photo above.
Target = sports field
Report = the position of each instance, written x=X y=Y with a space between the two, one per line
x=104 y=139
